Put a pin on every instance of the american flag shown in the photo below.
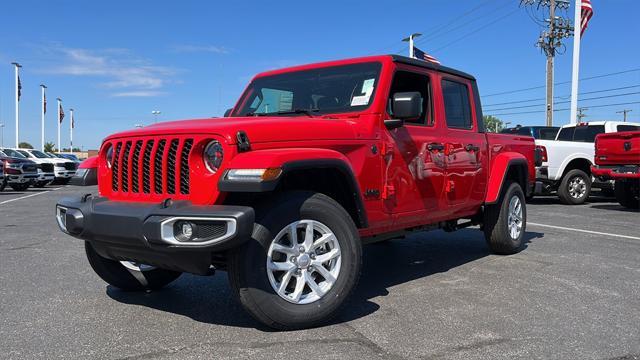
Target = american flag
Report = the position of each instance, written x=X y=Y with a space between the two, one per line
x=419 y=54
x=19 y=88
x=61 y=112
x=44 y=104
x=585 y=16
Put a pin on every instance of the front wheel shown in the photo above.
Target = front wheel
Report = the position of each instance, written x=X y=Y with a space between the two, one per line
x=505 y=222
x=127 y=275
x=301 y=263
x=628 y=193
x=575 y=187
x=3 y=185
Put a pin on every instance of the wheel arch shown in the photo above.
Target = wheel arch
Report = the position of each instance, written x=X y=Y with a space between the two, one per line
x=579 y=162
x=507 y=167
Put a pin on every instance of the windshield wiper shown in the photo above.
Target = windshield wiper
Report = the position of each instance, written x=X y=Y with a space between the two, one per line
x=308 y=112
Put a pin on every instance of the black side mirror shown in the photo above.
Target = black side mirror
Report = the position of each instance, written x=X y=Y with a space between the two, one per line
x=228 y=112
x=407 y=105
x=393 y=123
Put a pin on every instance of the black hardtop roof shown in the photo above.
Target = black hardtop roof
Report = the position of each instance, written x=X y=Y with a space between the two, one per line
x=429 y=65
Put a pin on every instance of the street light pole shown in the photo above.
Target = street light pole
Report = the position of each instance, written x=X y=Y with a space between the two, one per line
x=155 y=116
x=43 y=110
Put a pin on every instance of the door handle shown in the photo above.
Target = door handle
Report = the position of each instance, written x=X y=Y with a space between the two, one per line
x=471 y=147
x=435 y=147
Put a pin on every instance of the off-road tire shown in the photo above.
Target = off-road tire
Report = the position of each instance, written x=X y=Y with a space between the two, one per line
x=496 y=226
x=628 y=193
x=248 y=264
x=117 y=275
x=564 y=191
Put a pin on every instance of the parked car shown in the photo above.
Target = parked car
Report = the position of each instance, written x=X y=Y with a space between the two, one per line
x=44 y=163
x=566 y=168
x=87 y=174
x=19 y=173
x=618 y=158
x=71 y=157
x=537 y=132
x=2 y=183
x=312 y=162
x=65 y=169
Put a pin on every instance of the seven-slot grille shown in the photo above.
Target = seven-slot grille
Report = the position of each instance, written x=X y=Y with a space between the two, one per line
x=151 y=166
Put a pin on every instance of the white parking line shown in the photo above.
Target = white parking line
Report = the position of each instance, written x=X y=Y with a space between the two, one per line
x=584 y=231
x=28 y=196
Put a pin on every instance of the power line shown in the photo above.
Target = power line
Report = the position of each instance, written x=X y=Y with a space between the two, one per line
x=541 y=111
x=568 y=101
x=561 y=83
x=561 y=97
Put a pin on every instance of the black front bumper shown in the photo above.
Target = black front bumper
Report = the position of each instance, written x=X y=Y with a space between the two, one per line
x=142 y=232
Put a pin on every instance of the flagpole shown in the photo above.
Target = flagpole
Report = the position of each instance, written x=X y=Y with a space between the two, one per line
x=71 y=131
x=410 y=40
x=577 y=27
x=42 y=111
x=59 y=106
x=17 y=72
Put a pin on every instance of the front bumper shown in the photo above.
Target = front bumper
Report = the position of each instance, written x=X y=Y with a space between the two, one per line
x=64 y=174
x=21 y=179
x=616 y=172
x=144 y=232
x=45 y=177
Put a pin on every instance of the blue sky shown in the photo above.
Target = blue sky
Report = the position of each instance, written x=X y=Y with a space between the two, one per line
x=116 y=61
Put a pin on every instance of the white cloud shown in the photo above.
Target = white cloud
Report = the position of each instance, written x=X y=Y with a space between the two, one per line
x=119 y=68
x=200 y=48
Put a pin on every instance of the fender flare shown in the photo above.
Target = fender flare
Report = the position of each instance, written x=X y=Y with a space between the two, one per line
x=497 y=176
x=290 y=160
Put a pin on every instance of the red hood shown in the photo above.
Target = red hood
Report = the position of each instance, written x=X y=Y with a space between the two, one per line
x=258 y=128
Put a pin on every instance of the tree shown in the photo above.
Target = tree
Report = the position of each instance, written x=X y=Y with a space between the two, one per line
x=492 y=123
x=49 y=146
x=75 y=149
x=25 y=145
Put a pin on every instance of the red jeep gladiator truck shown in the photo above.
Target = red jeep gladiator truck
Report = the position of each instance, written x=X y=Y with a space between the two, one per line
x=312 y=162
x=617 y=157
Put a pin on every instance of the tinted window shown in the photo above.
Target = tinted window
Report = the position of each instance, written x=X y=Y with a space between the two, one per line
x=547 y=133
x=457 y=107
x=404 y=81
x=566 y=134
x=628 y=128
x=13 y=153
x=336 y=89
x=587 y=133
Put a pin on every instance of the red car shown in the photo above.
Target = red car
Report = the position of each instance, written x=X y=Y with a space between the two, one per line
x=618 y=158
x=312 y=162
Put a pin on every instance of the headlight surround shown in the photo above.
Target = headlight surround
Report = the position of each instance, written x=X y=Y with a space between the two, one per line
x=213 y=156
x=14 y=166
x=109 y=155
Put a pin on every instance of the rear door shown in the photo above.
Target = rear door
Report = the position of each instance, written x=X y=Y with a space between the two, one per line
x=465 y=147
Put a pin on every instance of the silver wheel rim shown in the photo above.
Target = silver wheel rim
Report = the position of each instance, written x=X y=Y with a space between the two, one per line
x=514 y=221
x=577 y=187
x=134 y=266
x=303 y=261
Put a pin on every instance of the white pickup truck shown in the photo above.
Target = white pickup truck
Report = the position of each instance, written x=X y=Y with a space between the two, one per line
x=567 y=160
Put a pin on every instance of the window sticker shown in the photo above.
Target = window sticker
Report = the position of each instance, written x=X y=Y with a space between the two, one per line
x=360 y=100
x=367 y=86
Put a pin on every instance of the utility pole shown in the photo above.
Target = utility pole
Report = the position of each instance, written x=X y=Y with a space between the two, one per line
x=624 y=112
x=410 y=40
x=18 y=90
x=581 y=114
x=550 y=41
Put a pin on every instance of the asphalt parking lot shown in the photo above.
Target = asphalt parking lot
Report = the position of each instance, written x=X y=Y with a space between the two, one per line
x=573 y=293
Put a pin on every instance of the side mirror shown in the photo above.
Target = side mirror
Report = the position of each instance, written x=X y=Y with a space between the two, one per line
x=393 y=123
x=407 y=105
x=228 y=112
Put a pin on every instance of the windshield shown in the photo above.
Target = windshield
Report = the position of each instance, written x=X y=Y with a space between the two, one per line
x=13 y=153
x=336 y=89
x=39 y=154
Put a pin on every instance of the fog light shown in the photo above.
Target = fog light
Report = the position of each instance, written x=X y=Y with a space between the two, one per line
x=184 y=230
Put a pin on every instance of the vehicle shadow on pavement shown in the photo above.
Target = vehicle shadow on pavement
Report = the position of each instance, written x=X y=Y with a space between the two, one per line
x=385 y=265
x=615 y=208
x=554 y=200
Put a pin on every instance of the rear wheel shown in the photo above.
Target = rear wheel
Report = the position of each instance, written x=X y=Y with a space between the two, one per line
x=628 y=193
x=127 y=275
x=20 y=187
x=300 y=265
x=575 y=187
x=505 y=222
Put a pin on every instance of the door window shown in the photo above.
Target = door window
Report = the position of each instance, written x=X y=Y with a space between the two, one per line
x=457 y=106
x=587 y=133
x=405 y=81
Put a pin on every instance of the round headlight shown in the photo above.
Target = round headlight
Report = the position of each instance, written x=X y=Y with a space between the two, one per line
x=213 y=155
x=109 y=155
